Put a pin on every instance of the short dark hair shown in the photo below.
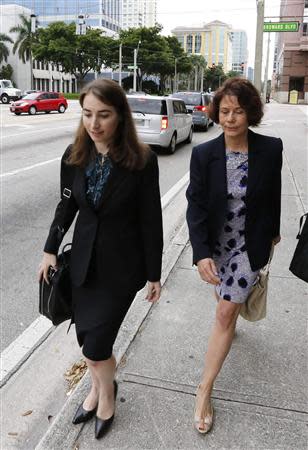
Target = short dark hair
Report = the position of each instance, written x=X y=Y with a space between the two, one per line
x=247 y=96
x=126 y=149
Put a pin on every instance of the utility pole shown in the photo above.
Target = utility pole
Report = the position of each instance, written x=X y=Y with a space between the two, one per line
x=33 y=30
x=175 y=76
x=120 y=65
x=266 y=67
x=196 y=78
x=259 y=44
x=202 y=76
x=135 y=66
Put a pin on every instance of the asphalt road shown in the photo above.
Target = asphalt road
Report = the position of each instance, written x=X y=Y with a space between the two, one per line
x=31 y=148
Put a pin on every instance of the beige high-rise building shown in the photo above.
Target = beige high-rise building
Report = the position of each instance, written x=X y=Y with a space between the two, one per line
x=138 y=13
x=211 y=40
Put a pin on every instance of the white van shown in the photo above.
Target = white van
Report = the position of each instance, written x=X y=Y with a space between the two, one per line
x=8 y=92
x=161 y=121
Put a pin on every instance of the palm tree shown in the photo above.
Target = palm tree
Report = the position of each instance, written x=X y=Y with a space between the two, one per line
x=25 y=39
x=4 y=51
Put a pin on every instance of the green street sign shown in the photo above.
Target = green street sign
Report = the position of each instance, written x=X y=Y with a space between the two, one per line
x=280 y=26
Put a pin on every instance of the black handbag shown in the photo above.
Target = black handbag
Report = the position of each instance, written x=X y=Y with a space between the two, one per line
x=56 y=297
x=299 y=263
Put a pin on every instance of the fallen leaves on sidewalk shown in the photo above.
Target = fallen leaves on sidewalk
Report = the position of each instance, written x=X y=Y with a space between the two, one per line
x=75 y=373
x=27 y=413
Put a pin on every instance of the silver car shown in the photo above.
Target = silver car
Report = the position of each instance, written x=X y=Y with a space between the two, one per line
x=197 y=104
x=161 y=121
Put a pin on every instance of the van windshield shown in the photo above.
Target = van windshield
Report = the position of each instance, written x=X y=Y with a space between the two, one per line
x=7 y=84
x=148 y=106
x=189 y=98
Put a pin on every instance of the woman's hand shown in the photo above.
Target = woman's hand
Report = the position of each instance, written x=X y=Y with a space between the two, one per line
x=154 y=289
x=47 y=261
x=207 y=271
x=276 y=240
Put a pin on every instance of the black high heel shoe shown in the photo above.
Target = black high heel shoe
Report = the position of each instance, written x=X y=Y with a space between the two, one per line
x=82 y=415
x=103 y=425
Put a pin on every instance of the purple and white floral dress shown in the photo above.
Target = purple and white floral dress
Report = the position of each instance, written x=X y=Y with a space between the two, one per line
x=230 y=254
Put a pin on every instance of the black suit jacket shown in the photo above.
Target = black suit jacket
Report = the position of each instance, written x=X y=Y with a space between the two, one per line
x=207 y=196
x=123 y=237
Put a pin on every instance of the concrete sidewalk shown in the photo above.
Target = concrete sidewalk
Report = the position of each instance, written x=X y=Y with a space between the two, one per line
x=260 y=396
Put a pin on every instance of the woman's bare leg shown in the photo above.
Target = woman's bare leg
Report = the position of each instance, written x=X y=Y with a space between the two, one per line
x=103 y=374
x=219 y=344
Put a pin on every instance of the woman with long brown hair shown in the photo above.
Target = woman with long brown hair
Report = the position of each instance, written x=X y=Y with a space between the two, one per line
x=111 y=180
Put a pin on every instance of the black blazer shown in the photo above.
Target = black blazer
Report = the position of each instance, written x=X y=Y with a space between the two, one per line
x=123 y=237
x=207 y=196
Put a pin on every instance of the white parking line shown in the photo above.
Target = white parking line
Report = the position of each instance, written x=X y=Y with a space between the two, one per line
x=21 y=348
x=24 y=169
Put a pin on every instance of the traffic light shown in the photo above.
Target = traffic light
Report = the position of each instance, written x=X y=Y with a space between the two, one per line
x=242 y=67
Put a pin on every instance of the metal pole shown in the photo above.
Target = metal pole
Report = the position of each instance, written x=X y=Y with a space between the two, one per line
x=120 y=65
x=259 y=45
x=196 y=78
x=175 y=77
x=202 y=75
x=135 y=70
x=266 y=67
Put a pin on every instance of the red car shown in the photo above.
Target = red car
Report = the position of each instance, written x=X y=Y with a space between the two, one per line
x=39 y=101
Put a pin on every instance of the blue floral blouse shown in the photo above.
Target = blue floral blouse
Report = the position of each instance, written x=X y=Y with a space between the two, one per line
x=97 y=174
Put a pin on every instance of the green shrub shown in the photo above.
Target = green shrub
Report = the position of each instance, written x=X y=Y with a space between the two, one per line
x=71 y=96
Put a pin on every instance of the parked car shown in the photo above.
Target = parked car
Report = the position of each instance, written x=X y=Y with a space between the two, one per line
x=161 y=121
x=197 y=104
x=40 y=102
x=8 y=92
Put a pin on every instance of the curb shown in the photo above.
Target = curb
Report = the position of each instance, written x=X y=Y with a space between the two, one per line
x=19 y=351
x=61 y=433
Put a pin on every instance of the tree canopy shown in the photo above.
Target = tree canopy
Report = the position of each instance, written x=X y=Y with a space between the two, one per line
x=77 y=54
x=4 y=51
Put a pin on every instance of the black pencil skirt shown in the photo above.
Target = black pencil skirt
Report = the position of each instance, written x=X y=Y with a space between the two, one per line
x=98 y=314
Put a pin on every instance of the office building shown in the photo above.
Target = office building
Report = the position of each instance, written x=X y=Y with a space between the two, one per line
x=211 y=40
x=291 y=54
x=138 y=13
x=239 y=51
x=103 y=14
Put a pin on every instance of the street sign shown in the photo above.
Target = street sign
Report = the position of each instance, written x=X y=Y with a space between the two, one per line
x=280 y=26
x=131 y=67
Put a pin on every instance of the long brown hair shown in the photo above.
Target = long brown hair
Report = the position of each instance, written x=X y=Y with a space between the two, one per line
x=126 y=149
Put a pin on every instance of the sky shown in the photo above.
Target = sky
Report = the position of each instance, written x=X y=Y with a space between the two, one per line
x=240 y=14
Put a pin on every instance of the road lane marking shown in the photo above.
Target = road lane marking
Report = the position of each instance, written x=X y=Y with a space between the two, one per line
x=24 y=169
x=36 y=131
x=23 y=346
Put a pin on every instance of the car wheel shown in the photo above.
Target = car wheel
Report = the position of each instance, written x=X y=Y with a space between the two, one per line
x=61 y=109
x=206 y=126
x=32 y=110
x=171 y=148
x=190 y=136
x=212 y=124
x=17 y=114
x=5 y=99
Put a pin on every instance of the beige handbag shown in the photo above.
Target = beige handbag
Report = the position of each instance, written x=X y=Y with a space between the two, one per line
x=255 y=306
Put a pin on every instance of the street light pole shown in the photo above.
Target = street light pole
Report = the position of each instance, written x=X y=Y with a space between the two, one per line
x=33 y=30
x=266 y=67
x=175 y=76
x=259 y=44
x=120 y=65
x=135 y=66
